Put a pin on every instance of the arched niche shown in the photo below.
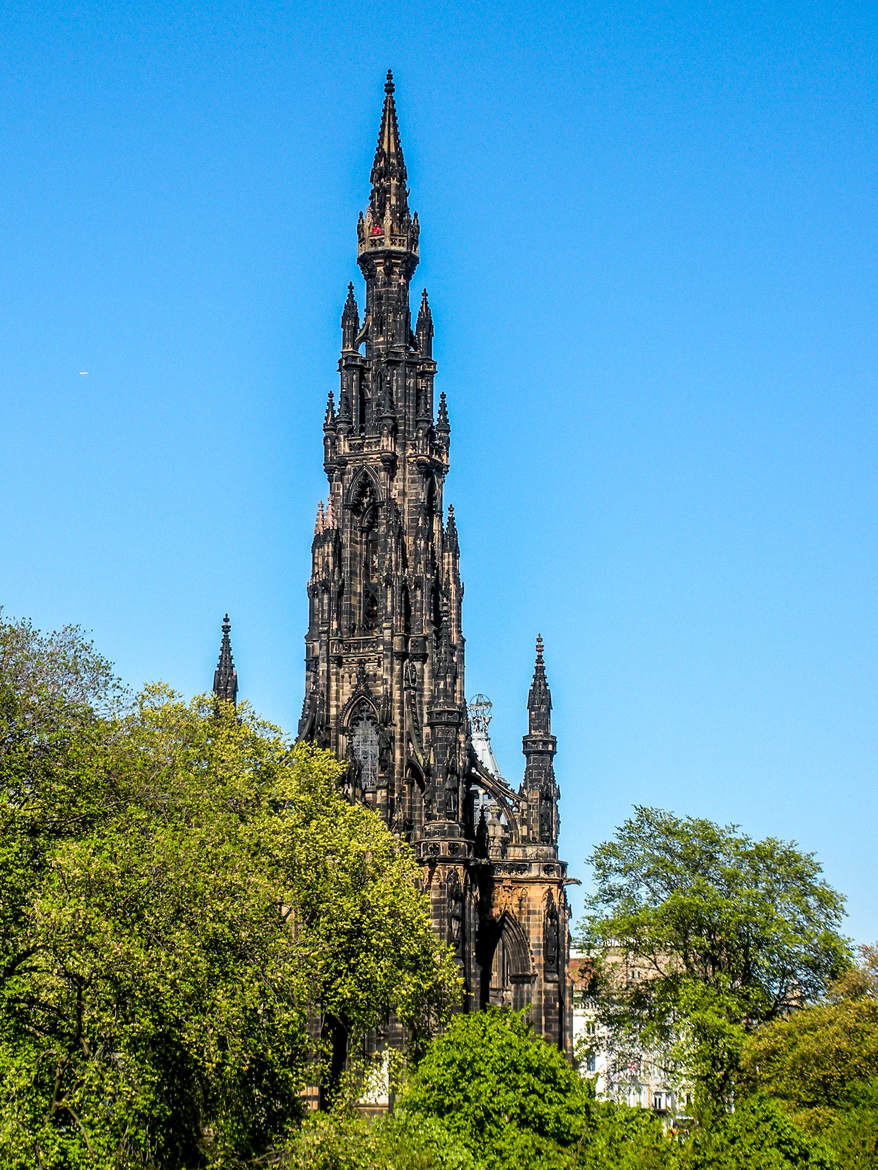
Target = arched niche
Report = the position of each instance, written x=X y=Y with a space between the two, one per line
x=366 y=552
x=551 y=937
x=511 y=966
x=364 y=491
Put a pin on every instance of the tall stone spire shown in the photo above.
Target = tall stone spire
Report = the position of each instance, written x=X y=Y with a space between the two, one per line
x=387 y=222
x=385 y=650
x=388 y=177
x=225 y=677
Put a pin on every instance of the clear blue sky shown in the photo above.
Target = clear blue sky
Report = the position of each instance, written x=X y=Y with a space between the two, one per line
x=649 y=235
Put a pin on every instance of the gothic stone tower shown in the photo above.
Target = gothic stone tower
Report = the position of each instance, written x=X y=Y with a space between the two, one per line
x=384 y=680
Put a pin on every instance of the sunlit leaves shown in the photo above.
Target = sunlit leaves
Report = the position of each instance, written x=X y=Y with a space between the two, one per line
x=185 y=897
x=728 y=933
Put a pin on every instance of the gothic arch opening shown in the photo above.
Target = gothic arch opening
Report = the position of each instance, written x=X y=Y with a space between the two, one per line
x=370 y=554
x=430 y=498
x=511 y=970
x=365 y=553
x=362 y=409
x=415 y=783
x=363 y=731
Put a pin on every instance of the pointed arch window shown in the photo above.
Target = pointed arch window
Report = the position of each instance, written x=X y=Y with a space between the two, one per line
x=362 y=407
x=364 y=747
x=511 y=967
x=371 y=551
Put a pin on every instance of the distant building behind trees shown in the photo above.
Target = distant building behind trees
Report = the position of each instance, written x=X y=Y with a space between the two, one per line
x=629 y=1073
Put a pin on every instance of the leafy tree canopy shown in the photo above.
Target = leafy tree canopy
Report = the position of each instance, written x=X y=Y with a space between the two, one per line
x=329 y=1141
x=821 y=1064
x=728 y=933
x=758 y=1135
x=810 y=1058
x=509 y=1096
x=183 y=895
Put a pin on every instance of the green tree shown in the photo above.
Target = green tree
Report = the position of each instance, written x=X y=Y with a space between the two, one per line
x=728 y=933
x=821 y=1064
x=181 y=895
x=54 y=688
x=852 y=1130
x=757 y=1135
x=514 y=1101
x=360 y=919
x=627 y=1138
x=510 y=1097
x=328 y=1141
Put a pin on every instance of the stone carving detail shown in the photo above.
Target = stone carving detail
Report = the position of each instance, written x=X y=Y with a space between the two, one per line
x=547 y=809
x=551 y=938
x=455 y=915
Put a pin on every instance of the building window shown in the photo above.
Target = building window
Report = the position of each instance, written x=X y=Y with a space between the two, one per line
x=591 y=1062
x=370 y=573
x=364 y=745
x=361 y=410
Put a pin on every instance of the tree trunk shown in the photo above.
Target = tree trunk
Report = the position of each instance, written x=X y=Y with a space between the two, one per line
x=335 y=1035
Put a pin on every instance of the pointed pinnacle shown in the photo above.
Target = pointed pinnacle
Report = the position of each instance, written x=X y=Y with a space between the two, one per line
x=451 y=530
x=424 y=315
x=319 y=522
x=539 y=699
x=388 y=83
x=225 y=678
x=330 y=408
x=388 y=178
x=442 y=423
x=388 y=135
x=350 y=315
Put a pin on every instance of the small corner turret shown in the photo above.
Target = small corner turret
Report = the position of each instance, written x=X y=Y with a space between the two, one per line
x=443 y=426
